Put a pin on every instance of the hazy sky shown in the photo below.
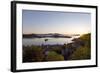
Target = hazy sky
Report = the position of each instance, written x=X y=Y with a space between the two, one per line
x=55 y=22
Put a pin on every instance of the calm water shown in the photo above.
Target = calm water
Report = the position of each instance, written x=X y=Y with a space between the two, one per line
x=51 y=41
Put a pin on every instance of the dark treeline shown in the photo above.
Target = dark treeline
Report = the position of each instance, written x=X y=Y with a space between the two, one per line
x=55 y=35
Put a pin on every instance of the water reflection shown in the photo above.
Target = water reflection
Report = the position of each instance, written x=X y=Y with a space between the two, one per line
x=47 y=41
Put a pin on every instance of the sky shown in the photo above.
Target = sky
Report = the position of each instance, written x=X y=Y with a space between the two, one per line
x=42 y=22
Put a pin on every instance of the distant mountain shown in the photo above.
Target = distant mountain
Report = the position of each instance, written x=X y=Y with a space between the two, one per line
x=54 y=35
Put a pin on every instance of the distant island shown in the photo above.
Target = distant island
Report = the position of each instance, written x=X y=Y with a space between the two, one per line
x=54 y=35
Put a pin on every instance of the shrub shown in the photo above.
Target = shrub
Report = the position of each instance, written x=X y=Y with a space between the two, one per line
x=53 y=56
x=81 y=53
x=33 y=53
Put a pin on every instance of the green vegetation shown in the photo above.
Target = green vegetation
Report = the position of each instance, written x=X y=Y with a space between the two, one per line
x=79 y=49
x=87 y=39
x=53 y=56
x=56 y=49
x=83 y=52
x=33 y=53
